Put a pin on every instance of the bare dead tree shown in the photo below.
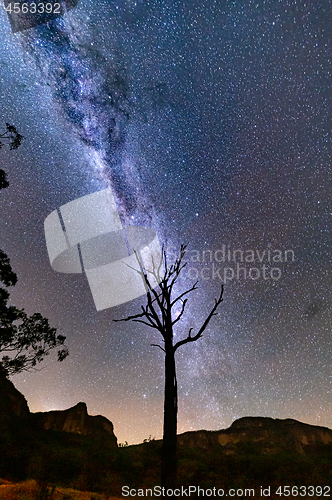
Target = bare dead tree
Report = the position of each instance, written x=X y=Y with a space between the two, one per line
x=159 y=314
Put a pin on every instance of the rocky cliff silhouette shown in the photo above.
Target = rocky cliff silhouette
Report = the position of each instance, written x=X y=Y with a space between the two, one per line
x=266 y=435
x=76 y=420
x=72 y=448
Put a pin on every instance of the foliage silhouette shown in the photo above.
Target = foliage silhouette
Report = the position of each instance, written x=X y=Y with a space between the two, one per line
x=15 y=139
x=24 y=340
x=12 y=134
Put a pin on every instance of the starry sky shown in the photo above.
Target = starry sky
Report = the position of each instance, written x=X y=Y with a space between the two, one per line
x=211 y=121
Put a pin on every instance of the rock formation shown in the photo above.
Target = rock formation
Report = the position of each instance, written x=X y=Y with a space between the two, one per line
x=12 y=402
x=13 y=406
x=261 y=435
x=77 y=421
x=265 y=435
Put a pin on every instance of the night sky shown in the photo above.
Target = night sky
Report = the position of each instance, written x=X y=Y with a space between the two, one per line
x=211 y=121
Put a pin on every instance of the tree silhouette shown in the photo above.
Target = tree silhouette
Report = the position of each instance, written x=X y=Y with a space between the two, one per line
x=15 y=139
x=24 y=340
x=13 y=135
x=159 y=314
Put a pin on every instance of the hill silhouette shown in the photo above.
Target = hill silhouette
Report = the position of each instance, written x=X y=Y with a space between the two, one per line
x=70 y=448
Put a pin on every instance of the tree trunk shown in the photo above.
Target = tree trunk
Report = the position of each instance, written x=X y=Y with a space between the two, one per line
x=168 y=469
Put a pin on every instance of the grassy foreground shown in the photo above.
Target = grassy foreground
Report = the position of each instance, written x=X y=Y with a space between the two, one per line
x=30 y=490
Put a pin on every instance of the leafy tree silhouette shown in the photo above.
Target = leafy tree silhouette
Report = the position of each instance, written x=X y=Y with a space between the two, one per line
x=24 y=340
x=15 y=139
x=159 y=314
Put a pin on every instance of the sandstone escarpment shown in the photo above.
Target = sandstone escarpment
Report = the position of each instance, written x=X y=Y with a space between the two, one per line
x=12 y=402
x=260 y=434
x=14 y=410
x=76 y=420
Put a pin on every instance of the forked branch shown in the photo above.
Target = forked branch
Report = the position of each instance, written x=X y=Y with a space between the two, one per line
x=217 y=302
x=157 y=313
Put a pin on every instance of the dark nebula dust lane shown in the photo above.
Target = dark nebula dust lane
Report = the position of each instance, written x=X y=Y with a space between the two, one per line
x=91 y=92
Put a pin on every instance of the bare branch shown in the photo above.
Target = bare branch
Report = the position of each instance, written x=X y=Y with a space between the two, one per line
x=145 y=323
x=157 y=313
x=177 y=267
x=205 y=324
x=150 y=305
x=128 y=318
x=157 y=345
x=144 y=314
x=156 y=270
x=150 y=289
x=194 y=287
x=181 y=312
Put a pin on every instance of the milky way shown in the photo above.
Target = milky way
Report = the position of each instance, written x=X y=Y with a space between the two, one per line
x=91 y=91
x=210 y=120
